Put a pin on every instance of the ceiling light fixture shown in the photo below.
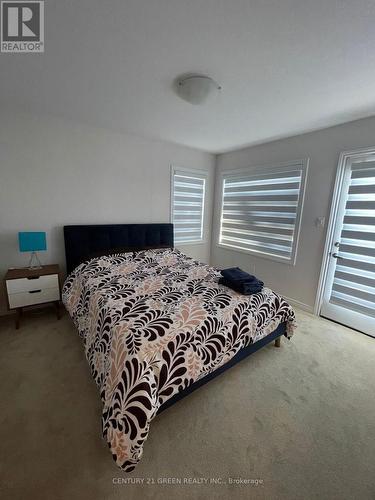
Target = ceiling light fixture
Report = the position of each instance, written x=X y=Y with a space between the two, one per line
x=196 y=89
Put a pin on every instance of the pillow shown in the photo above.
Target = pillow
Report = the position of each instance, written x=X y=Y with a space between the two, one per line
x=112 y=251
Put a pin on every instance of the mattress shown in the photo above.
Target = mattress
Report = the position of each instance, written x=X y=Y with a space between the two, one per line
x=153 y=323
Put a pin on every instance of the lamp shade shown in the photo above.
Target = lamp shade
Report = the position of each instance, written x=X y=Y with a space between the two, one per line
x=32 y=242
x=196 y=89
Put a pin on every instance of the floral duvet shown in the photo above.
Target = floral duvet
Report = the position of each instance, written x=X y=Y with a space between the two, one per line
x=152 y=323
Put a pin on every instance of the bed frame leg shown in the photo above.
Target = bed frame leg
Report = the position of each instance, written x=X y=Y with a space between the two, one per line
x=278 y=342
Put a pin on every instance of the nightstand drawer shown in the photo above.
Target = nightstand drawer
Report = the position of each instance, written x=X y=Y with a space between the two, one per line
x=32 y=297
x=28 y=284
x=32 y=286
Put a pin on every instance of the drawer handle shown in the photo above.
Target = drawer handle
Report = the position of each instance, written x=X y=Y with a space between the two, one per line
x=33 y=277
x=35 y=291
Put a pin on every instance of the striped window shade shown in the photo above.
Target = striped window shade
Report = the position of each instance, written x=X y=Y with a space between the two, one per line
x=261 y=210
x=354 y=279
x=188 y=193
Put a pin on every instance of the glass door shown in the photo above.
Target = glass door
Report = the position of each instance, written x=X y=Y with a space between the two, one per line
x=349 y=291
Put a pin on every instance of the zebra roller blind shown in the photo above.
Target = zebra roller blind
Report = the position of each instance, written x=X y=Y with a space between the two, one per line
x=354 y=279
x=188 y=192
x=261 y=210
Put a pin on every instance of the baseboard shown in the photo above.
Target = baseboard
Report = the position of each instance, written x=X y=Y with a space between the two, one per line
x=297 y=303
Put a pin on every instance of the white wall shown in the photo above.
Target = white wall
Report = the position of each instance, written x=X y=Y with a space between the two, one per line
x=323 y=148
x=55 y=172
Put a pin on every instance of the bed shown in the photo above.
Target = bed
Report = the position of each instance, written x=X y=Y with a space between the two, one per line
x=156 y=324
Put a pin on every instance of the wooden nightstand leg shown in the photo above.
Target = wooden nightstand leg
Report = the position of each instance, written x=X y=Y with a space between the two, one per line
x=18 y=317
x=58 y=313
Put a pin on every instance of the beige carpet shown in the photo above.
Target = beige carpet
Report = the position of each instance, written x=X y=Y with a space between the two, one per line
x=301 y=419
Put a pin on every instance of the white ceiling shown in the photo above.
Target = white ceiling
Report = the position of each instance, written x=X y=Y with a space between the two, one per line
x=286 y=67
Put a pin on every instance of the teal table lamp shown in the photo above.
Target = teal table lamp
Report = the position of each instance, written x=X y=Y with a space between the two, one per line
x=32 y=242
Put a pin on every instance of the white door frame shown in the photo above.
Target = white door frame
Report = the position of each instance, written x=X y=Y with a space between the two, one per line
x=345 y=158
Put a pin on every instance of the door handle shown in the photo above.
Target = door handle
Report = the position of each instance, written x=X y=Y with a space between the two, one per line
x=336 y=256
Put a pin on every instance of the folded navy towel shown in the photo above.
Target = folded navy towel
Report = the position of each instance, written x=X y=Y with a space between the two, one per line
x=240 y=281
x=243 y=288
x=236 y=275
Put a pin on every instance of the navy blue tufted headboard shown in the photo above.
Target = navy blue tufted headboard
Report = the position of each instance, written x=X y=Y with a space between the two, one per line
x=84 y=242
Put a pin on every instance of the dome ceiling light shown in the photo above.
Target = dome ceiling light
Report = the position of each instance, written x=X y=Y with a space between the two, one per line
x=196 y=89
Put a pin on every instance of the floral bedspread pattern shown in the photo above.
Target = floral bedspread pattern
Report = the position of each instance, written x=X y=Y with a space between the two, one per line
x=152 y=323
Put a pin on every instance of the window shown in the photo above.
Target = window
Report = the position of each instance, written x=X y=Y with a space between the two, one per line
x=261 y=210
x=188 y=190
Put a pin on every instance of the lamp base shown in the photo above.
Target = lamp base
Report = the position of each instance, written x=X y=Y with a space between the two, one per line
x=34 y=262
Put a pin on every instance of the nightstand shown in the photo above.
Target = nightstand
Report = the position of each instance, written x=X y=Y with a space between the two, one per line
x=29 y=287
